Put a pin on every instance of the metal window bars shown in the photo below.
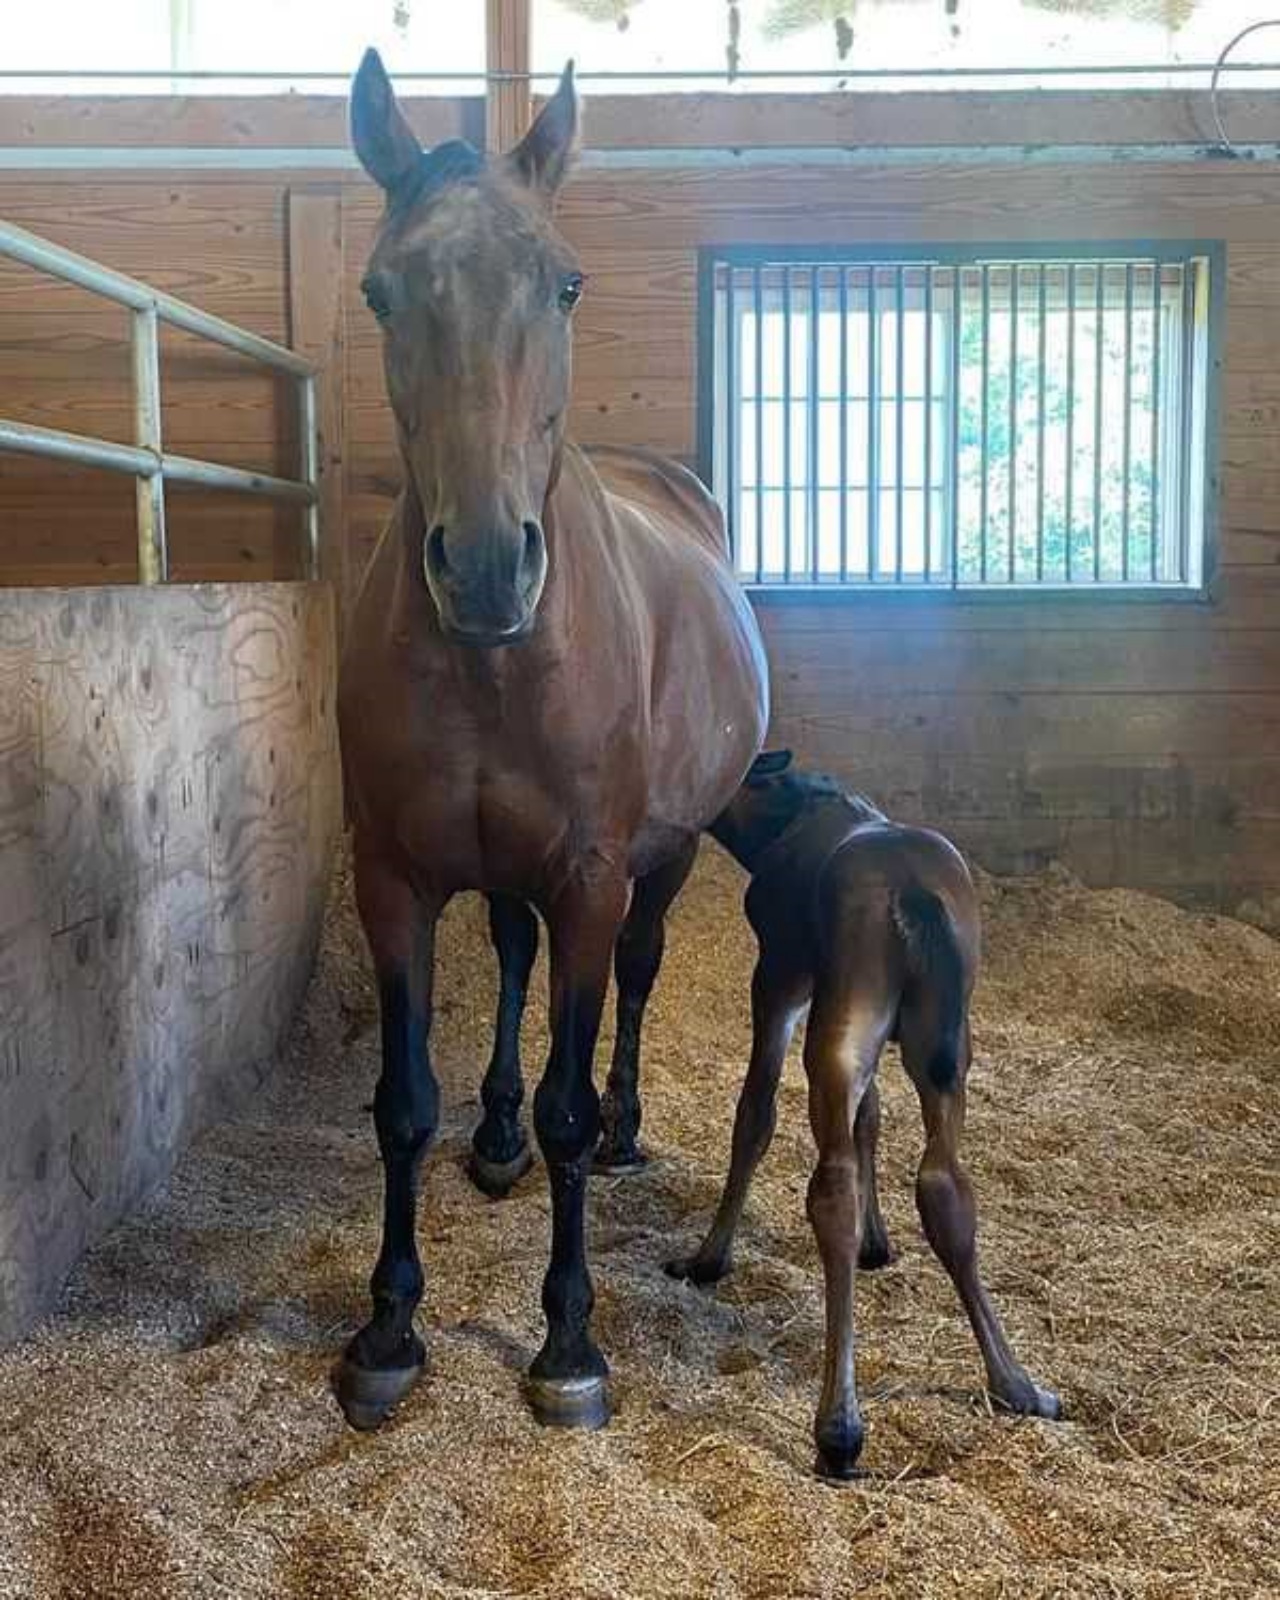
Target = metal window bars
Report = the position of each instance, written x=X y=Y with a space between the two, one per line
x=146 y=460
x=962 y=419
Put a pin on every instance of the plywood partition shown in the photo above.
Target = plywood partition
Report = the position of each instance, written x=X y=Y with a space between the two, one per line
x=169 y=802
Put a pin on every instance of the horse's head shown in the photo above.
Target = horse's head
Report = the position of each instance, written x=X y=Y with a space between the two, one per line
x=474 y=288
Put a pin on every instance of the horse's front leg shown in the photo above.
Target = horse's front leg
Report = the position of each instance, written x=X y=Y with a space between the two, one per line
x=500 y=1153
x=636 y=963
x=567 y=1378
x=386 y=1357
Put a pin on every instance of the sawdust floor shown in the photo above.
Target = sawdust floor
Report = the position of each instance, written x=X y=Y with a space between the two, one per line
x=171 y=1433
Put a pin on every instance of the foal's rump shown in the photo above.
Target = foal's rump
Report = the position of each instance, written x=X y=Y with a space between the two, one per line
x=902 y=904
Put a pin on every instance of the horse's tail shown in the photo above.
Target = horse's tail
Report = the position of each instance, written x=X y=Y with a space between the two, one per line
x=936 y=966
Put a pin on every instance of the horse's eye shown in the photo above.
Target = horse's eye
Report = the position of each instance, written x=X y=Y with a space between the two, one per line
x=571 y=291
x=376 y=297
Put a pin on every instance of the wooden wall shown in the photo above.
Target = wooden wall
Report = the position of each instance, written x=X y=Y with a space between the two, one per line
x=1139 y=742
x=169 y=802
x=64 y=363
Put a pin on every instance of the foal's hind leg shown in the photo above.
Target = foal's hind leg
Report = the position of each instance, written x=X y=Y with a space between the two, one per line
x=777 y=997
x=500 y=1153
x=847 y=1031
x=636 y=961
x=947 y=1210
x=875 y=1250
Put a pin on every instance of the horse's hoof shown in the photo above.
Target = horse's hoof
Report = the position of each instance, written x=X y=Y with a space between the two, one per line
x=839 y=1445
x=498 y=1178
x=1028 y=1399
x=619 y=1161
x=569 y=1402
x=692 y=1269
x=368 y=1395
x=837 y=1470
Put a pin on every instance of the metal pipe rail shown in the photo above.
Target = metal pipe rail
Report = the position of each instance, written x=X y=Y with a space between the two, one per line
x=145 y=460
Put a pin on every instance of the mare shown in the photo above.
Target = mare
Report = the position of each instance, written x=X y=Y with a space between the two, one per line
x=551 y=682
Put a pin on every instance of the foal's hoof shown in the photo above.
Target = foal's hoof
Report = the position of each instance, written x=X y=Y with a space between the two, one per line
x=875 y=1255
x=619 y=1161
x=368 y=1395
x=694 y=1269
x=498 y=1178
x=1028 y=1399
x=569 y=1402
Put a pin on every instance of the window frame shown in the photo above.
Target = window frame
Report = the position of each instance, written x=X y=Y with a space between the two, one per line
x=711 y=257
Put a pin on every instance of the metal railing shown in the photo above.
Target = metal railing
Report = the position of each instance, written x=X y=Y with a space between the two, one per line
x=145 y=459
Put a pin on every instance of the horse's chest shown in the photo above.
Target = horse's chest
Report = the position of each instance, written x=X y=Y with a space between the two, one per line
x=469 y=823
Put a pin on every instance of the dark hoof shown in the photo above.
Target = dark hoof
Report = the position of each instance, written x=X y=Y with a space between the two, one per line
x=569 y=1402
x=619 y=1161
x=498 y=1178
x=837 y=1471
x=1028 y=1399
x=368 y=1395
x=839 y=1446
x=875 y=1255
x=692 y=1269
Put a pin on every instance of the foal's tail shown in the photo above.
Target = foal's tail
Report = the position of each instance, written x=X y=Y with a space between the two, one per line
x=937 y=978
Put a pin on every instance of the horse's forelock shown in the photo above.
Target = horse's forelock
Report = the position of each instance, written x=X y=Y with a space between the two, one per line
x=454 y=161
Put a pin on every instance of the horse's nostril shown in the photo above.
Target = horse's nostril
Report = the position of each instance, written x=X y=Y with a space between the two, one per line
x=532 y=541
x=437 y=559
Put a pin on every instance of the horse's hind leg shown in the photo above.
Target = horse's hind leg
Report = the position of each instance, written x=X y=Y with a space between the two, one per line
x=383 y=1361
x=847 y=1031
x=777 y=997
x=944 y=1196
x=875 y=1251
x=500 y=1153
x=636 y=961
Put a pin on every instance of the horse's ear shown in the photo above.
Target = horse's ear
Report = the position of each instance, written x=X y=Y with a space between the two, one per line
x=387 y=146
x=543 y=157
x=769 y=764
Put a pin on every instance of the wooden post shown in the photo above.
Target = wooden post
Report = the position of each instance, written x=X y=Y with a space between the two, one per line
x=317 y=330
x=507 y=24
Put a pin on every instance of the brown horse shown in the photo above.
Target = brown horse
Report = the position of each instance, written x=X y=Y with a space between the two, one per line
x=551 y=683
x=878 y=926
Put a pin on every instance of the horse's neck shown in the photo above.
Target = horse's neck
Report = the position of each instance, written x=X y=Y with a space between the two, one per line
x=586 y=575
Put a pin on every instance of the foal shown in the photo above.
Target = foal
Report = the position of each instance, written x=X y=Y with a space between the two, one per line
x=877 y=925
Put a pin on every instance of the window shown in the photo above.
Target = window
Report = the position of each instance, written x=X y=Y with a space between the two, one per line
x=226 y=37
x=961 y=419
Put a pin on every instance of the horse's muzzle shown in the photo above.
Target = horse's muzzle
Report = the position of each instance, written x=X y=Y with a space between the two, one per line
x=486 y=588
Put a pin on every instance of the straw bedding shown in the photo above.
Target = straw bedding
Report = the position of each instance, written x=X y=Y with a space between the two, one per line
x=170 y=1433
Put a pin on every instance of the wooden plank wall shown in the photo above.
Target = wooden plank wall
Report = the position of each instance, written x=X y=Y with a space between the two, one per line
x=169 y=804
x=1139 y=742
